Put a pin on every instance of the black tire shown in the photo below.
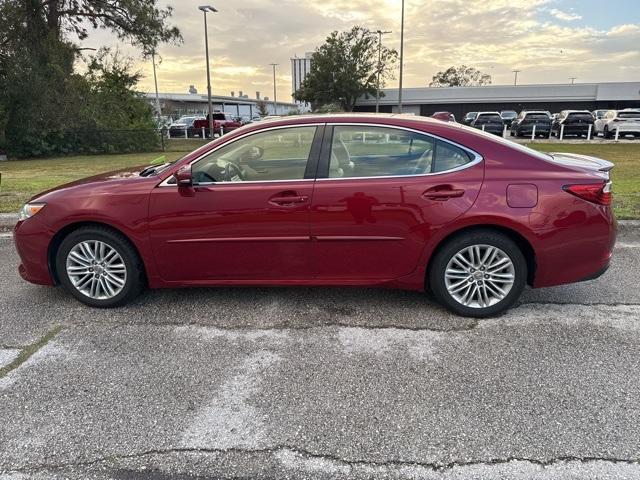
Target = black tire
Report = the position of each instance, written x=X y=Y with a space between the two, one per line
x=135 y=274
x=606 y=133
x=438 y=265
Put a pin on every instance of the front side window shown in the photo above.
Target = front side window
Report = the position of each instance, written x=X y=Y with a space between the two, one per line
x=366 y=151
x=279 y=154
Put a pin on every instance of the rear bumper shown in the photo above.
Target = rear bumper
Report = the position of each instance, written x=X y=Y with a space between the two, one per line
x=577 y=253
x=576 y=129
x=622 y=128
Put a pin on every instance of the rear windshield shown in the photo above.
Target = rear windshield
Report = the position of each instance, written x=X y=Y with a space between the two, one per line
x=490 y=116
x=508 y=114
x=628 y=114
x=537 y=116
x=580 y=116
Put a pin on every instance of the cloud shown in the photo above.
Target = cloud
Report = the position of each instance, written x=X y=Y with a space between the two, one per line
x=495 y=36
x=565 y=16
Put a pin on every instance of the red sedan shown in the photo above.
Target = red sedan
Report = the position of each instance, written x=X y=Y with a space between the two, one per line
x=394 y=201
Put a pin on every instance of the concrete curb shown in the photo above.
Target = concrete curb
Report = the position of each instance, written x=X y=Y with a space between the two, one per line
x=628 y=229
x=7 y=221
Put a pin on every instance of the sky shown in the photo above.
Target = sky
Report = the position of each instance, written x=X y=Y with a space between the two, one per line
x=548 y=40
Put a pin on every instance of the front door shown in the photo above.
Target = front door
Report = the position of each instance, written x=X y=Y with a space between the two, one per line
x=247 y=216
x=385 y=191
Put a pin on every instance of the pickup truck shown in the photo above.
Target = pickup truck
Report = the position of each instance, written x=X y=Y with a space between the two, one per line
x=222 y=123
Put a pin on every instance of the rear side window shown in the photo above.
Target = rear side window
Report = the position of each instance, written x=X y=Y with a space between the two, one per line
x=365 y=151
x=449 y=156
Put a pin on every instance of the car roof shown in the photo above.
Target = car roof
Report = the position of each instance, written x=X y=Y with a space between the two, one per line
x=488 y=113
x=535 y=111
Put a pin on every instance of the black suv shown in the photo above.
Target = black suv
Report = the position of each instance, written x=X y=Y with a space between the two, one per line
x=489 y=122
x=523 y=125
x=575 y=122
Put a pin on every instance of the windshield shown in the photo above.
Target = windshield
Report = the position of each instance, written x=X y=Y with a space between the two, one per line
x=185 y=120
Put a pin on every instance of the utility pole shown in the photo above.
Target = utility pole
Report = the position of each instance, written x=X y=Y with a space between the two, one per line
x=573 y=79
x=401 y=58
x=155 y=80
x=275 y=105
x=515 y=80
x=380 y=34
x=205 y=9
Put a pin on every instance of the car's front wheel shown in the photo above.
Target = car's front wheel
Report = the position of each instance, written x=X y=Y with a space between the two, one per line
x=478 y=274
x=99 y=267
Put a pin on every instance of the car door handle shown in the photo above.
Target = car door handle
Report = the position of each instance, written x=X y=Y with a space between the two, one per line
x=442 y=195
x=289 y=200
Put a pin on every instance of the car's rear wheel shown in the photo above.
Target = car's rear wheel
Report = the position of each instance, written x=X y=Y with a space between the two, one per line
x=99 y=267
x=478 y=274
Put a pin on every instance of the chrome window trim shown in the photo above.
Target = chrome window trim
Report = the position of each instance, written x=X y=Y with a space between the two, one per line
x=477 y=158
x=165 y=183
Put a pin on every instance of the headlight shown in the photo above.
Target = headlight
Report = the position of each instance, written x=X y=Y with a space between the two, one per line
x=30 y=209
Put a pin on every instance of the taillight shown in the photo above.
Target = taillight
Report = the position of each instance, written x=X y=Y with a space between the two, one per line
x=599 y=193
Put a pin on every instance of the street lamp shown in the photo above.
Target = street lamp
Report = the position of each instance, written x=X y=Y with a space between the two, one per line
x=515 y=80
x=401 y=58
x=208 y=9
x=380 y=33
x=275 y=105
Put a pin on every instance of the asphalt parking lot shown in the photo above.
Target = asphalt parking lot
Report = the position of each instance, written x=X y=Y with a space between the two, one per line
x=321 y=383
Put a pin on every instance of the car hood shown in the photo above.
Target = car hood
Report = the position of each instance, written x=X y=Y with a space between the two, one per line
x=583 y=162
x=108 y=180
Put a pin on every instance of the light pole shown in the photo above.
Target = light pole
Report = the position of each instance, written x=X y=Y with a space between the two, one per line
x=573 y=79
x=515 y=80
x=275 y=105
x=380 y=33
x=206 y=9
x=401 y=58
x=155 y=80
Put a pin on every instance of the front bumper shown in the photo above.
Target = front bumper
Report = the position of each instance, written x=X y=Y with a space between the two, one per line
x=32 y=244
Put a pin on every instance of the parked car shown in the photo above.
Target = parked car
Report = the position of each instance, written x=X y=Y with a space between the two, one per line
x=444 y=116
x=489 y=122
x=598 y=114
x=222 y=123
x=185 y=123
x=508 y=116
x=439 y=206
x=626 y=121
x=469 y=117
x=575 y=122
x=523 y=125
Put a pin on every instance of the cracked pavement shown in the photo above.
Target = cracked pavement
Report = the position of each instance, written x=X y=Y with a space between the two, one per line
x=321 y=384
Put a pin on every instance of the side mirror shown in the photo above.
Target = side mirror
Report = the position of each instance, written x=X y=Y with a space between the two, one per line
x=183 y=177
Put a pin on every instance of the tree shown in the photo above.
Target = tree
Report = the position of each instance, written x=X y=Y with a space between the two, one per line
x=40 y=92
x=263 y=111
x=461 y=76
x=345 y=68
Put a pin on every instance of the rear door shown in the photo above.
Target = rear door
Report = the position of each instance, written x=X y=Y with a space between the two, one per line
x=381 y=192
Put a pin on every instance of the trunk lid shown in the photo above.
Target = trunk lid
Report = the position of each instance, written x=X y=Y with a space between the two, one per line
x=582 y=162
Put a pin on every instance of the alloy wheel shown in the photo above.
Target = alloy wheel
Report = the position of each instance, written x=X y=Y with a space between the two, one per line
x=96 y=269
x=479 y=276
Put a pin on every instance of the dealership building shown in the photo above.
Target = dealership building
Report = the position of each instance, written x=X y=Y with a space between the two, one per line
x=460 y=100
x=175 y=105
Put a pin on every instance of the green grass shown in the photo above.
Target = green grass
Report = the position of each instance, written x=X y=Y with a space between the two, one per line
x=625 y=175
x=21 y=179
